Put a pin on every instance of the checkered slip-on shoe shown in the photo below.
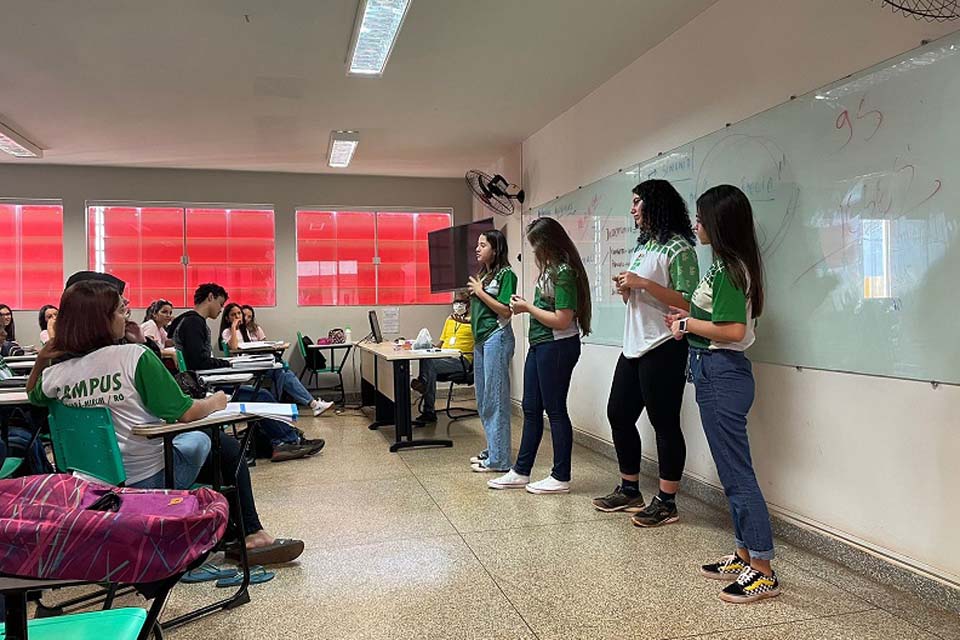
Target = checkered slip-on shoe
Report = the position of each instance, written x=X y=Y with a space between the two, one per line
x=751 y=586
x=726 y=568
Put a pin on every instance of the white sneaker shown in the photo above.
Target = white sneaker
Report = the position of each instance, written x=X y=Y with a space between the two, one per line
x=549 y=485
x=480 y=458
x=510 y=480
x=480 y=467
x=319 y=406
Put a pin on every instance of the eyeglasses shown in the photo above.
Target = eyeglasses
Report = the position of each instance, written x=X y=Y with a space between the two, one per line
x=5 y=314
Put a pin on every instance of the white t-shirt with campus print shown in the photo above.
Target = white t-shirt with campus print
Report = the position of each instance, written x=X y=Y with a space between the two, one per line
x=672 y=265
x=128 y=379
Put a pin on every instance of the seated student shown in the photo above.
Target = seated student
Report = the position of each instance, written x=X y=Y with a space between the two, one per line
x=456 y=334
x=7 y=346
x=191 y=336
x=158 y=316
x=6 y=321
x=139 y=389
x=237 y=326
x=47 y=319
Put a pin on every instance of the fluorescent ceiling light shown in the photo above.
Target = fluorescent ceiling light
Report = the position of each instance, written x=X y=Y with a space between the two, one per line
x=374 y=34
x=16 y=145
x=343 y=144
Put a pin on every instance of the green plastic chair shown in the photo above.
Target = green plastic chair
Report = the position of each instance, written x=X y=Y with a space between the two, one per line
x=10 y=465
x=224 y=347
x=119 y=624
x=84 y=440
x=181 y=363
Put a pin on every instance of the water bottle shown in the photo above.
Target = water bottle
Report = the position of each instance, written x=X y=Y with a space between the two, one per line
x=347 y=336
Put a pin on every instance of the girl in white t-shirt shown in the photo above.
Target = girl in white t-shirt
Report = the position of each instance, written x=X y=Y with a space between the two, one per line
x=651 y=371
x=159 y=315
x=234 y=332
x=85 y=366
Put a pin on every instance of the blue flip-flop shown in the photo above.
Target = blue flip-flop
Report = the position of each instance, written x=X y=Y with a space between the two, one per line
x=258 y=575
x=206 y=573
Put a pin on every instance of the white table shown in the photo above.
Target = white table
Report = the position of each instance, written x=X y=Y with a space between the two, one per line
x=386 y=372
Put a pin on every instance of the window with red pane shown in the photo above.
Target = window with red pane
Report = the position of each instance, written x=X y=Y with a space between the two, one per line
x=337 y=255
x=146 y=247
x=235 y=249
x=142 y=246
x=31 y=255
x=335 y=258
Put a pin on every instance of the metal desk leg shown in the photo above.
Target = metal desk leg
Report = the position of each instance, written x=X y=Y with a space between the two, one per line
x=404 y=423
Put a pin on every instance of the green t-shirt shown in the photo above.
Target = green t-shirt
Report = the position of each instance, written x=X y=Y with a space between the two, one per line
x=717 y=299
x=556 y=289
x=484 y=320
x=133 y=384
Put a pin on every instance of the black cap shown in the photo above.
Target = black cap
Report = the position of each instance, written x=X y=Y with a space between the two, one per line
x=81 y=276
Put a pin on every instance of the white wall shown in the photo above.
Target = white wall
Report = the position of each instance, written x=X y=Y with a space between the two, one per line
x=871 y=460
x=285 y=191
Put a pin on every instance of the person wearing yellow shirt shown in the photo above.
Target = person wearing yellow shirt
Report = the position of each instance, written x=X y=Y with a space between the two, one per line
x=456 y=334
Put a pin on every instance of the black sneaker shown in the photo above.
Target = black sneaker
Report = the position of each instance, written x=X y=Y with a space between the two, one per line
x=726 y=568
x=417 y=385
x=425 y=418
x=284 y=452
x=315 y=444
x=656 y=513
x=751 y=586
x=619 y=501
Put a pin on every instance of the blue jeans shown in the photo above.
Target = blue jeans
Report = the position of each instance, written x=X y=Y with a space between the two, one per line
x=725 y=390
x=491 y=377
x=286 y=381
x=428 y=376
x=190 y=451
x=273 y=430
x=546 y=382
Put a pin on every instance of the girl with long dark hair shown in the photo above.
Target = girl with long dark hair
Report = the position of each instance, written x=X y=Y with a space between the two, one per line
x=490 y=292
x=7 y=322
x=559 y=314
x=651 y=371
x=47 y=318
x=720 y=327
x=234 y=331
x=155 y=321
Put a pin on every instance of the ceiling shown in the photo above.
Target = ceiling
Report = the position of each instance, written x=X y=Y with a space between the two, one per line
x=259 y=85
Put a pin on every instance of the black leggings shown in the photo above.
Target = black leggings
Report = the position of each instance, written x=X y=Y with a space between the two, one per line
x=654 y=381
x=229 y=461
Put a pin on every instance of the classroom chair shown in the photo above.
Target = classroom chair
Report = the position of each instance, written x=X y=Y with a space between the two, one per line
x=316 y=364
x=461 y=378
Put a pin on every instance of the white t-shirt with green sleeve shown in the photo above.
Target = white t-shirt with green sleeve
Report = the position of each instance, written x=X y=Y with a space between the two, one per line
x=672 y=265
x=718 y=299
x=128 y=379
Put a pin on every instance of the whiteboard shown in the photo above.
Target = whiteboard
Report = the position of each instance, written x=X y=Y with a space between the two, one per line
x=856 y=195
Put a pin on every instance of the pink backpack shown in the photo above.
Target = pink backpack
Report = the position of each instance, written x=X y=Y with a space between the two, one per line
x=48 y=530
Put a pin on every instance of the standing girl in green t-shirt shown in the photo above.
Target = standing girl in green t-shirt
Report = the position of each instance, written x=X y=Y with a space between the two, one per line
x=559 y=314
x=719 y=328
x=490 y=292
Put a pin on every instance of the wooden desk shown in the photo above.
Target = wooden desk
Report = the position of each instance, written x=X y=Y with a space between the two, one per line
x=386 y=373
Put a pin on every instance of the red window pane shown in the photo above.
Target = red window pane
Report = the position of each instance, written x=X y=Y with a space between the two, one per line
x=427 y=222
x=234 y=248
x=31 y=255
x=335 y=258
x=142 y=246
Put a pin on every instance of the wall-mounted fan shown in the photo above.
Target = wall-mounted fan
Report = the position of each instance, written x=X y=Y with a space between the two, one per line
x=494 y=192
x=929 y=10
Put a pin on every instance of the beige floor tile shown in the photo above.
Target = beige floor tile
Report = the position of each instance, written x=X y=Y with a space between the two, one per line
x=867 y=625
x=352 y=513
x=426 y=589
x=609 y=579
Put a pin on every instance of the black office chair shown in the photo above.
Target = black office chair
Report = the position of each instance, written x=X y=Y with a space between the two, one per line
x=463 y=378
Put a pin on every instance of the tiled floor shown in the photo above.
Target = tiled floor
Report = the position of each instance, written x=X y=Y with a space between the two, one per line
x=413 y=545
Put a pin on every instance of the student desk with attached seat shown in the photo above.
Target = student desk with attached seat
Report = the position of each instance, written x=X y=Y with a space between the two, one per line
x=212 y=425
x=386 y=381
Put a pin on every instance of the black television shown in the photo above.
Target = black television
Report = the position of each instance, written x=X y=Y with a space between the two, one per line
x=453 y=254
